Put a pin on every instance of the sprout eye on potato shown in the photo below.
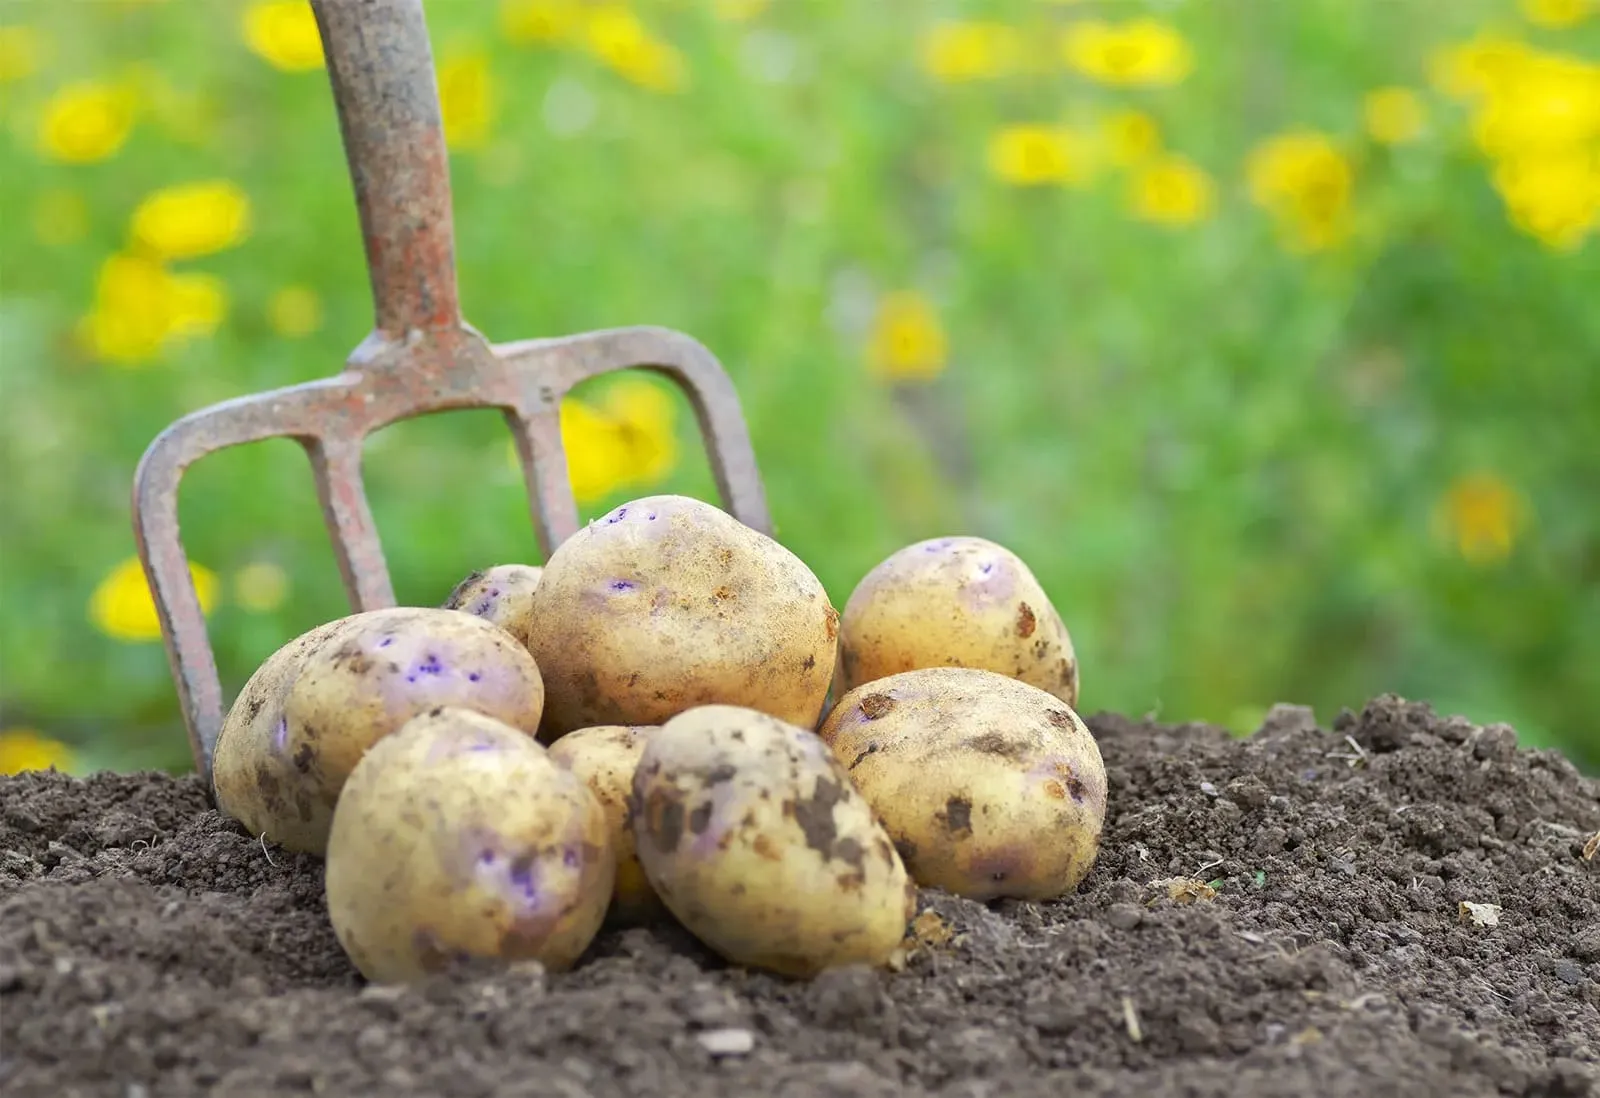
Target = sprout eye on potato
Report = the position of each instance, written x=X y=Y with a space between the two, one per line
x=459 y=838
x=606 y=757
x=955 y=602
x=301 y=725
x=753 y=835
x=989 y=787
x=502 y=595
x=668 y=603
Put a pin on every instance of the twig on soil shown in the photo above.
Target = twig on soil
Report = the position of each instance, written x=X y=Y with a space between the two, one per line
x=263 y=840
x=1592 y=847
x=1360 y=758
x=1130 y=1019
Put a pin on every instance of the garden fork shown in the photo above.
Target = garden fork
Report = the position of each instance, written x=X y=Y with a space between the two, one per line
x=421 y=357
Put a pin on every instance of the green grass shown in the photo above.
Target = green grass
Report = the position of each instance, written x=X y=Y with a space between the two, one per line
x=1222 y=459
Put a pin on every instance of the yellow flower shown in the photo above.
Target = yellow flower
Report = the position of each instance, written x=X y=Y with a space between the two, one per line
x=123 y=609
x=1172 y=190
x=617 y=38
x=955 y=51
x=284 y=33
x=1305 y=182
x=646 y=419
x=526 y=21
x=25 y=749
x=21 y=51
x=60 y=217
x=141 y=309
x=1557 y=13
x=1138 y=52
x=1554 y=198
x=1033 y=155
x=187 y=220
x=1548 y=102
x=260 y=587
x=466 y=99
x=1477 y=67
x=85 y=122
x=907 y=342
x=1129 y=137
x=294 y=311
x=1482 y=516
x=1394 y=115
x=626 y=440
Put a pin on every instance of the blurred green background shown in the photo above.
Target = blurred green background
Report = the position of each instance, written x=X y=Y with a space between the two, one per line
x=1266 y=331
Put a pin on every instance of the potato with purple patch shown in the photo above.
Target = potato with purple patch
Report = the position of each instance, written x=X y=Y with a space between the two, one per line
x=457 y=839
x=989 y=787
x=365 y=676
x=955 y=602
x=502 y=595
x=606 y=757
x=668 y=603
x=753 y=836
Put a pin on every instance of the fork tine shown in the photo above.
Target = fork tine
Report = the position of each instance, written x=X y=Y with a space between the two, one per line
x=336 y=466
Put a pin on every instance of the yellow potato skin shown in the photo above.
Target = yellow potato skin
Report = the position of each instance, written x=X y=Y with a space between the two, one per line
x=754 y=837
x=606 y=757
x=365 y=676
x=955 y=602
x=457 y=837
x=989 y=787
x=502 y=595
x=668 y=603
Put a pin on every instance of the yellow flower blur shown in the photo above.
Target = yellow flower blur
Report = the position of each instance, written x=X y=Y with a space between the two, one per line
x=24 y=749
x=85 y=122
x=627 y=439
x=1138 y=52
x=1477 y=67
x=294 y=312
x=123 y=609
x=1031 y=155
x=260 y=587
x=1129 y=137
x=142 y=309
x=187 y=220
x=466 y=99
x=617 y=37
x=646 y=420
x=1394 y=116
x=1482 y=516
x=284 y=34
x=530 y=21
x=1558 y=13
x=954 y=51
x=1554 y=198
x=21 y=51
x=60 y=217
x=1305 y=182
x=908 y=342
x=1171 y=190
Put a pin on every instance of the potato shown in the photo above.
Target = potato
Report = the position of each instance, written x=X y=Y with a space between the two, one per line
x=457 y=838
x=955 y=602
x=502 y=594
x=606 y=757
x=668 y=603
x=988 y=786
x=753 y=836
x=361 y=679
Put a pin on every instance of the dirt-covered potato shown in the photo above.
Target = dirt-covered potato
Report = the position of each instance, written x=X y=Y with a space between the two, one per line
x=279 y=770
x=606 y=757
x=751 y=833
x=502 y=594
x=988 y=786
x=955 y=602
x=458 y=838
x=668 y=603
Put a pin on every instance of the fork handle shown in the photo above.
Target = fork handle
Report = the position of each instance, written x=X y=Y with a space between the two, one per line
x=387 y=97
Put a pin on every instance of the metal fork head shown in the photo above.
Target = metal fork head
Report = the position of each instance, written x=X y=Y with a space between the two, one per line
x=420 y=358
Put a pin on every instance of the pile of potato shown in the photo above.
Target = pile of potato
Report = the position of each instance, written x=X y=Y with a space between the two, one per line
x=641 y=730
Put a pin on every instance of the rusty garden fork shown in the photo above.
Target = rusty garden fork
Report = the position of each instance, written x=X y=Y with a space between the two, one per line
x=421 y=357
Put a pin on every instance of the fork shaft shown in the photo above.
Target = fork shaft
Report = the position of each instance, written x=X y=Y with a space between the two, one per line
x=381 y=68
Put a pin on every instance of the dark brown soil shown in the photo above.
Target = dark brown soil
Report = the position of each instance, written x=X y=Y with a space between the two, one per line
x=148 y=948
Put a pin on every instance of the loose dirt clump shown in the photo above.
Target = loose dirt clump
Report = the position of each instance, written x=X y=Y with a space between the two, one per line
x=1279 y=915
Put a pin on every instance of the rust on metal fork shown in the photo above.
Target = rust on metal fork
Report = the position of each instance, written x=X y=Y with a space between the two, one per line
x=420 y=358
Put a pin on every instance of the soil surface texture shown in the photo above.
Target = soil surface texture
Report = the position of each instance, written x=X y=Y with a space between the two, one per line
x=1276 y=915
